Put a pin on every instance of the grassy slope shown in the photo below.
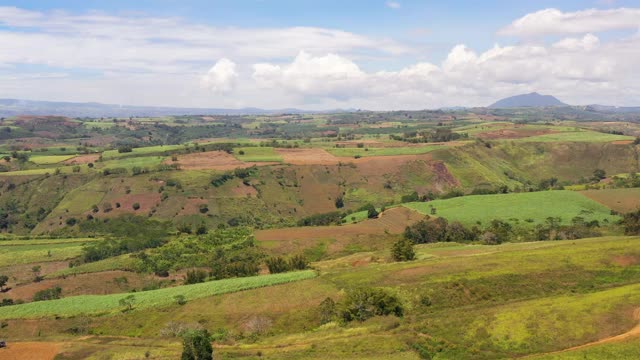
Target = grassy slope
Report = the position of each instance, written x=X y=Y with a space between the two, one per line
x=92 y=304
x=536 y=206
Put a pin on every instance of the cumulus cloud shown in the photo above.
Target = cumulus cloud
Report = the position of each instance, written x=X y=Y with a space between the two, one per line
x=221 y=78
x=572 y=68
x=554 y=21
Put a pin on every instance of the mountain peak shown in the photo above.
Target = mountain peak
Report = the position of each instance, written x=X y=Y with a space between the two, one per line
x=533 y=99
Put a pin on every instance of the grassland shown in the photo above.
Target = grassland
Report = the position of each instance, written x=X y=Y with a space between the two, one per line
x=257 y=154
x=94 y=304
x=523 y=208
x=577 y=136
x=385 y=151
x=25 y=252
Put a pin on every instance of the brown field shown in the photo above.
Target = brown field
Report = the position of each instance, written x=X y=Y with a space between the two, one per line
x=311 y=156
x=83 y=284
x=392 y=221
x=22 y=273
x=212 y=160
x=30 y=351
x=82 y=159
x=621 y=200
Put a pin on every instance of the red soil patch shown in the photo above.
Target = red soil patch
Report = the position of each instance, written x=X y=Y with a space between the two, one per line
x=22 y=273
x=213 y=160
x=442 y=174
x=621 y=200
x=626 y=260
x=513 y=133
x=311 y=156
x=30 y=351
x=82 y=159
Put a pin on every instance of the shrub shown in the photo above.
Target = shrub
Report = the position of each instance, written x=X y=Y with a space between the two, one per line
x=195 y=276
x=48 y=294
x=135 y=206
x=196 y=345
x=327 y=310
x=363 y=303
x=403 y=250
x=277 y=265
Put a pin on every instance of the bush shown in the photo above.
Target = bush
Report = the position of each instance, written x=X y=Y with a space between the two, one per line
x=364 y=303
x=403 y=250
x=327 y=310
x=48 y=294
x=135 y=206
x=195 y=276
x=277 y=265
x=196 y=345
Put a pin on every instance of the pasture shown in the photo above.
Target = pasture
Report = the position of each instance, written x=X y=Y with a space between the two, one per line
x=522 y=208
x=257 y=154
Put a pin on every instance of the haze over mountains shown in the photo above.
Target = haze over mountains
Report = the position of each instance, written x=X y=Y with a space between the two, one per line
x=13 y=107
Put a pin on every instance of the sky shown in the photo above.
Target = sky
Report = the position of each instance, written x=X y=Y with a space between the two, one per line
x=323 y=54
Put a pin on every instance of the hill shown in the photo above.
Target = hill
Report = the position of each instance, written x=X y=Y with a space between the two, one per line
x=527 y=100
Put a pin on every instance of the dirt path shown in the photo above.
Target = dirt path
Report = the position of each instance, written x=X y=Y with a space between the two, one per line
x=629 y=334
x=30 y=350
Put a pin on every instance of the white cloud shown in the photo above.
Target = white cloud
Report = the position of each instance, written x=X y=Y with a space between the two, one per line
x=554 y=21
x=578 y=70
x=393 y=4
x=160 y=44
x=221 y=78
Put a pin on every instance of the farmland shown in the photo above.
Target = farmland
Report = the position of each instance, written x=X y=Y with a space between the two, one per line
x=268 y=230
x=525 y=208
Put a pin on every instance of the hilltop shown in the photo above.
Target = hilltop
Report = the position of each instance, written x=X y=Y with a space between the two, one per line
x=527 y=100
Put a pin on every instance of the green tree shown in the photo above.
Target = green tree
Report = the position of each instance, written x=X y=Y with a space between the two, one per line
x=3 y=281
x=128 y=302
x=403 y=250
x=363 y=303
x=196 y=345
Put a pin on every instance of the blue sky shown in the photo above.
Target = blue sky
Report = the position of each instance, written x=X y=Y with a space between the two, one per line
x=317 y=54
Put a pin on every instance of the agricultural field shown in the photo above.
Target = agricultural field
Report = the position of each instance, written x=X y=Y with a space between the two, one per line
x=321 y=236
x=523 y=208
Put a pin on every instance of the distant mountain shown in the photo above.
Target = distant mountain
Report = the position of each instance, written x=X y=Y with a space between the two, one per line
x=527 y=100
x=612 y=109
x=11 y=107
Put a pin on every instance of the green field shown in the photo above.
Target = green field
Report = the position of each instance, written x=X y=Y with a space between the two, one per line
x=141 y=151
x=387 y=151
x=528 y=208
x=579 y=136
x=257 y=154
x=13 y=253
x=93 y=304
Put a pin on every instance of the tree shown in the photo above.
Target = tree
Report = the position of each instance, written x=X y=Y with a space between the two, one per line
x=3 y=281
x=339 y=202
x=599 y=174
x=135 y=206
x=196 y=345
x=631 y=223
x=128 y=302
x=327 y=310
x=363 y=303
x=277 y=265
x=403 y=250
x=36 y=273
